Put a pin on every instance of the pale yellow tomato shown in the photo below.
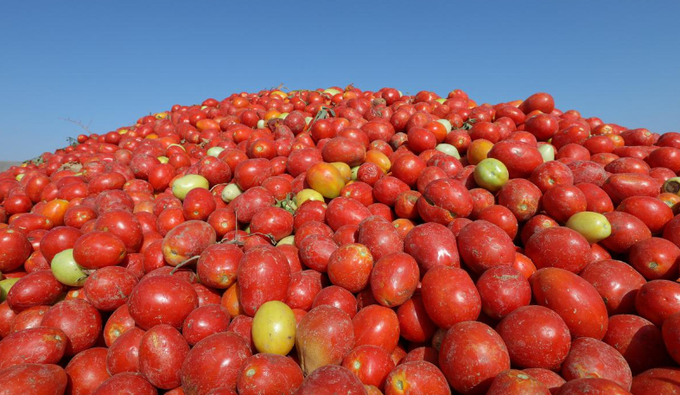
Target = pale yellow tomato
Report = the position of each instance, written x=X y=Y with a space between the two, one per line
x=274 y=328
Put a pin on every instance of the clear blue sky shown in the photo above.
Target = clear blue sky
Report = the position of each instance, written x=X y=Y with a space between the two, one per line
x=107 y=63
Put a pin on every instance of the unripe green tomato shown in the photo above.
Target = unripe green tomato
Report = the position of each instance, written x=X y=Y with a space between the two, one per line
x=230 y=192
x=491 y=174
x=5 y=286
x=66 y=270
x=547 y=152
x=274 y=328
x=446 y=123
x=448 y=149
x=287 y=240
x=182 y=185
x=214 y=151
x=591 y=225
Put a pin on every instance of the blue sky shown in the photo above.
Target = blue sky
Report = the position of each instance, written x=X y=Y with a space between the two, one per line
x=108 y=63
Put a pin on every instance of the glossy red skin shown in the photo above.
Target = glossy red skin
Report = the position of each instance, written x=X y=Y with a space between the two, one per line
x=652 y=211
x=450 y=296
x=29 y=318
x=534 y=225
x=536 y=337
x=218 y=264
x=522 y=198
x=303 y=288
x=342 y=149
x=205 y=321
x=350 y=267
x=37 y=379
x=443 y=200
x=163 y=299
x=206 y=296
x=316 y=250
x=655 y=258
x=109 y=287
x=416 y=377
x=394 y=278
x=672 y=230
x=187 y=240
x=502 y=217
x=250 y=202
x=43 y=345
x=616 y=282
x=269 y=374
x=58 y=239
x=627 y=165
x=360 y=191
x=431 y=245
x=169 y=219
x=126 y=383
x=161 y=353
x=291 y=253
x=668 y=157
x=481 y=199
x=587 y=172
x=371 y=364
x=118 y=323
x=593 y=358
x=387 y=188
x=592 y=385
x=408 y=168
x=330 y=380
x=124 y=225
x=311 y=228
x=123 y=354
x=449 y=164
x=471 y=356
x=563 y=201
x=550 y=379
x=273 y=221
x=198 y=204
x=252 y=172
x=81 y=322
x=638 y=340
x=379 y=236
x=414 y=323
x=597 y=199
x=670 y=332
x=516 y=382
x=503 y=289
x=658 y=300
x=656 y=381
x=483 y=245
x=377 y=326
x=35 y=289
x=338 y=297
x=621 y=186
x=214 y=362
x=542 y=126
x=572 y=298
x=521 y=159
x=263 y=275
x=344 y=211
x=86 y=371
x=428 y=175
x=626 y=231
x=222 y=220
x=323 y=337
x=559 y=247
x=15 y=249
x=76 y=216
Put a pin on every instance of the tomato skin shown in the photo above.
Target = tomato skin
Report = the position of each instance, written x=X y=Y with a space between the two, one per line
x=516 y=382
x=38 y=379
x=593 y=358
x=617 y=282
x=380 y=237
x=483 y=245
x=431 y=245
x=418 y=377
x=350 y=267
x=126 y=383
x=345 y=211
x=652 y=211
x=655 y=258
x=35 y=289
x=16 y=249
x=658 y=300
x=42 y=345
x=520 y=159
x=472 y=372
x=123 y=355
x=573 y=299
x=592 y=385
x=622 y=186
x=329 y=380
x=162 y=299
x=109 y=287
x=450 y=296
x=269 y=374
x=638 y=340
x=263 y=275
x=522 y=198
x=161 y=353
x=561 y=202
x=371 y=364
x=626 y=231
x=536 y=337
x=323 y=337
x=502 y=290
x=559 y=247
x=394 y=279
x=443 y=200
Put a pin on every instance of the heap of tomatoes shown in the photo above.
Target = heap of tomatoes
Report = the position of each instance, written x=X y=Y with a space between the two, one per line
x=342 y=241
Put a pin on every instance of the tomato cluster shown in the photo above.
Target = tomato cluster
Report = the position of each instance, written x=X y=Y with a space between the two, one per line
x=343 y=241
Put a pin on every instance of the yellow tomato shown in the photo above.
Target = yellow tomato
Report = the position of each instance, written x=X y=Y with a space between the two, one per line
x=378 y=158
x=182 y=185
x=307 y=194
x=344 y=170
x=274 y=328
x=326 y=179
x=478 y=150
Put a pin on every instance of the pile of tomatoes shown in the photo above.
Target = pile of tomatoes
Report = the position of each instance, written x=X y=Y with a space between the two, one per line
x=342 y=241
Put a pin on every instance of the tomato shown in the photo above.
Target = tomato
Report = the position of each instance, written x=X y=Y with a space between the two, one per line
x=517 y=382
x=558 y=247
x=263 y=275
x=471 y=355
x=371 y=364
x=325 y=179
x=431 y=245
x=274 y=328
x=38 y=379
x=329 y=380
x=186 y=241
x=16 y=249
x=626 y=231
x=483 y=245
x=522 y=198
x=592 y=385
x=162 y=299
x=269 y=374
x=416 y=377
x=323 y=337
x=350 y=267
x=519 y=158
x=592 y=358
x=591 y=225
x=450 y=296
x=394 y=278
x=658 y=300
x=616 y=282
x=638 y=340
x=503 y=289
x=491 y=174
x=44 y=345
x=161 y=353
x=443 y=200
